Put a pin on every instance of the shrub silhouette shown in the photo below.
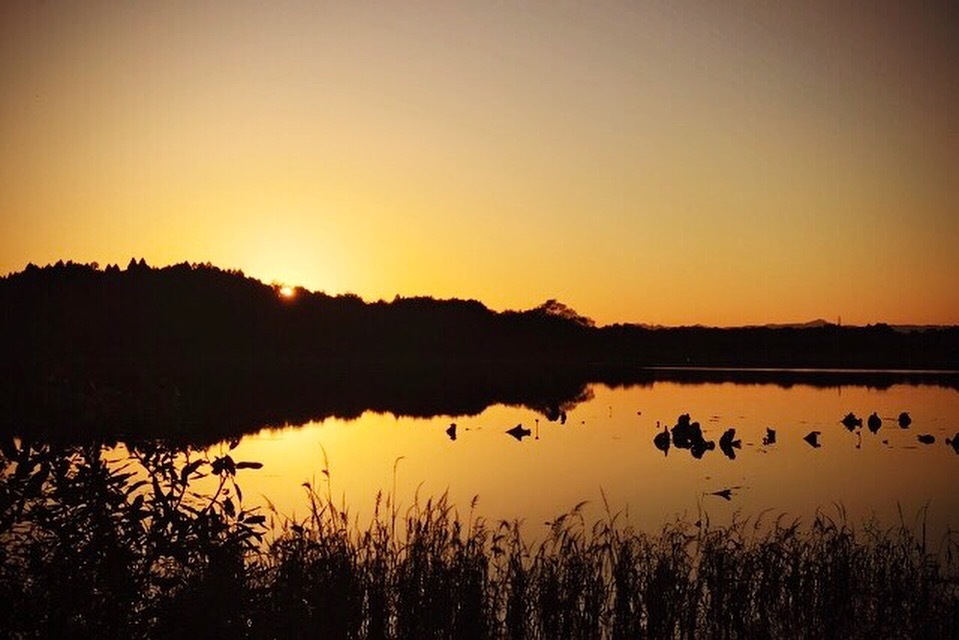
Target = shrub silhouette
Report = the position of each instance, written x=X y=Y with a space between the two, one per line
x=100 y=544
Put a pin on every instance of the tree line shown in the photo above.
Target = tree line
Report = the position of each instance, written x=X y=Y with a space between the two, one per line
x=193 y=343
x=191 y=313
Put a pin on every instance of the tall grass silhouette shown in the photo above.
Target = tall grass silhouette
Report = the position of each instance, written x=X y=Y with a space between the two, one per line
x=110 y=547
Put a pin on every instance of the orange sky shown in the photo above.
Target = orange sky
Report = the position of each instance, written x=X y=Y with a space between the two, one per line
x=674 y=163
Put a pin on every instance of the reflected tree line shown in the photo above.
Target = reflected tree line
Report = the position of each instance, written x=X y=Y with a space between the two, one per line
x=195 y=351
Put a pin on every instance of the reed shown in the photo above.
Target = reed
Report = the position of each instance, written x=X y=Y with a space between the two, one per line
x=93 y=548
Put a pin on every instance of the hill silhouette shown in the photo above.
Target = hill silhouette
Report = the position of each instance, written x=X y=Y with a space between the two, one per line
x=191 y=344
x=198 y=313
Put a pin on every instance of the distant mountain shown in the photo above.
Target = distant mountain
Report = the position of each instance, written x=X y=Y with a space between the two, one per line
x=812 y=324
x=907 y=328
x=818 y=323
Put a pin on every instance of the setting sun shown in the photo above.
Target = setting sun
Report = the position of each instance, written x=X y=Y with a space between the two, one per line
x=769 y=163
x=633 y=290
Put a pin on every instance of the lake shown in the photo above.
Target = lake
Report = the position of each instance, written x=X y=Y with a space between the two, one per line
x=606 y=448
x=94 y=535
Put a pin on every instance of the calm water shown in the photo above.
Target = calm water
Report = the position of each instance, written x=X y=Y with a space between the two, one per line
x=607 y=446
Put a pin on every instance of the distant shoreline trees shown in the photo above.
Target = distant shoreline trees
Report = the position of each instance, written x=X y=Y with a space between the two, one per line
x=192 y=346
x=196 y=312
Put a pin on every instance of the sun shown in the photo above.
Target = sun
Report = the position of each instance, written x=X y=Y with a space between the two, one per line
x=286 y=291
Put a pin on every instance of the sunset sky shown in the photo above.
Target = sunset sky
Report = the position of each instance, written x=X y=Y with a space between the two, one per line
x=720 y=163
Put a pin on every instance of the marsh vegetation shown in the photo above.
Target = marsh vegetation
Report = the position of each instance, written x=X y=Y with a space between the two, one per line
x=150 y=541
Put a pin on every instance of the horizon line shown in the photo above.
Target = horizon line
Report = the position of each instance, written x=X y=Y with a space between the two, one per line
x=278 y=284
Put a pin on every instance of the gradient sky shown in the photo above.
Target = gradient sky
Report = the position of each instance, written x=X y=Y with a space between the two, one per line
x=663 y=162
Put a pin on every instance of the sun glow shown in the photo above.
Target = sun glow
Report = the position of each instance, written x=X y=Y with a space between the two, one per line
x=445 y=146
x=286 y=291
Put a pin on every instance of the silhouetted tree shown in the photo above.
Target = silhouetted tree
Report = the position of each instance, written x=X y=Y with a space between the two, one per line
x=557 y=309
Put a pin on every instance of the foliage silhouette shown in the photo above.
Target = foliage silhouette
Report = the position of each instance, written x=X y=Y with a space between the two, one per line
x=98 y=543
x=195 y=351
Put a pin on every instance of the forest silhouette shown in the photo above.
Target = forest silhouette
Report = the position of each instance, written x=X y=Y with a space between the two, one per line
x=195 y=350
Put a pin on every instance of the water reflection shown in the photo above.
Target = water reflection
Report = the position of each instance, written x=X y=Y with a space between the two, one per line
x=786 y=446
x=794 y=454
x=218 y=405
